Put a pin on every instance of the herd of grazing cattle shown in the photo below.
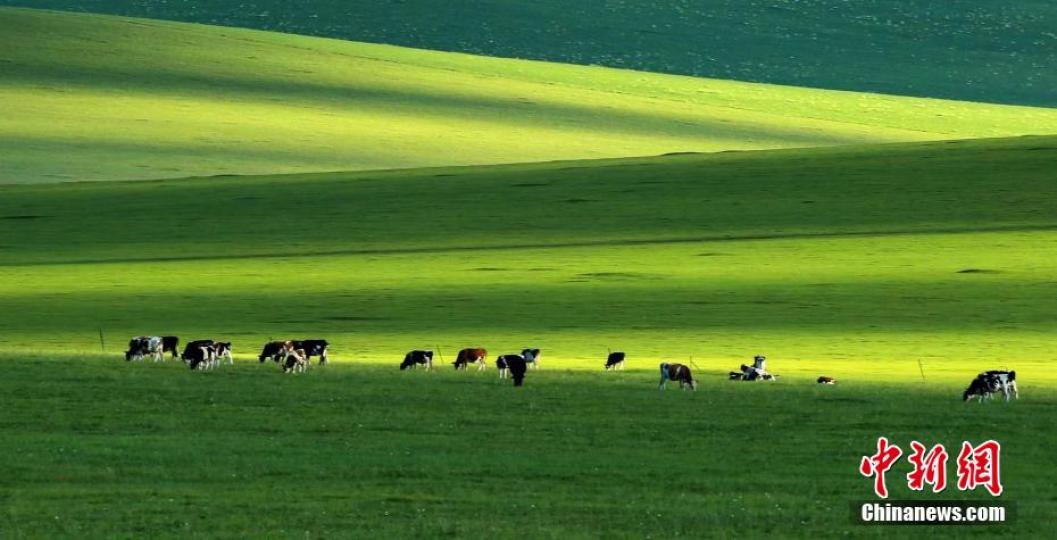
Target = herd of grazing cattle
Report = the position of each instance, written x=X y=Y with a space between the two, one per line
x=294 y=356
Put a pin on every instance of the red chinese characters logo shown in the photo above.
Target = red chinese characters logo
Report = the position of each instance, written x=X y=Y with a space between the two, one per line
x=930 y=468
x=977 y=466
x=878 y=464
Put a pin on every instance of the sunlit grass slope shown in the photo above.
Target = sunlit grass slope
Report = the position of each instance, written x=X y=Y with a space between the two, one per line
x=86 y=97
x=855 y=261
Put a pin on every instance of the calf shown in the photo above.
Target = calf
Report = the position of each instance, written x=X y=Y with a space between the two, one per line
x=677 y=372
x=471 y=356
x=417 y=358
x=295 y=361
x=990 y=382
x=615 y=360
x=531 y=356
x=826 y=380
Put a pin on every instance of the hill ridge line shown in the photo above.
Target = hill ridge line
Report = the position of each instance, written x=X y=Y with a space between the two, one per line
x=556 y=245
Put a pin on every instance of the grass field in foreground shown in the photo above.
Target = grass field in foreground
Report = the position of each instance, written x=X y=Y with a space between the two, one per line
x=87 y=97
x=853 y=262
x=102 y=448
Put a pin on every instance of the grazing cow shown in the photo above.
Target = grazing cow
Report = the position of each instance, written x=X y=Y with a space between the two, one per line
x=516 y=365
x=201 y=357
x=677 y=372
x=222 y=349
x=295 y=360
x=417 y=358
x=826 y=380
x=471 y=356
x=531 y=356
x=615 y=360
x=273 y=350
x=139 y=347
x=314 y=347
x=192 y=347
x=170 y=344
x=990 y=382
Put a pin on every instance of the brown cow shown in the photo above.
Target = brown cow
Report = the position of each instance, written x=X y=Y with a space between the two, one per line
x=677 y=372
x=471 y=356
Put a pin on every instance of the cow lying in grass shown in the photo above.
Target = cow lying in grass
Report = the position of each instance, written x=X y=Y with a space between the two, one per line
x=988 y=383
x=826 y=380
x=471 y=356
x=677 y=372
x=756 y=372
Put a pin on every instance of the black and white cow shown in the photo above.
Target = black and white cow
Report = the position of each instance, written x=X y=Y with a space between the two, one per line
x=531 y=356
x=313 y=347
x=503 y=361
x=192 y=347
x=203 y=356
x=170 y=344
x=222 y=349
x=615 y=360
x=273 y=350
x=756 y=372
x=417 y=358
x=823 y=379
x=515 y=365
x=677 y=372
x=143 y=346
x=991 y=382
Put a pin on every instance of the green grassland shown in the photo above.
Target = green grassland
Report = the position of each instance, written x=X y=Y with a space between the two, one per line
x=975 y=50
x=856 y=261
x=99 y=448
x=87 y=97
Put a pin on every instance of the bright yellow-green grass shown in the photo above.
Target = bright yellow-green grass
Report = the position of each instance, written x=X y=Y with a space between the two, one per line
x=86 y=97
x=852 y=262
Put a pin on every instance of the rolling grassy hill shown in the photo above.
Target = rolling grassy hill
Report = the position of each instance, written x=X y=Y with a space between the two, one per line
x=101 y=98
x=976 y=50
x=857 y=261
